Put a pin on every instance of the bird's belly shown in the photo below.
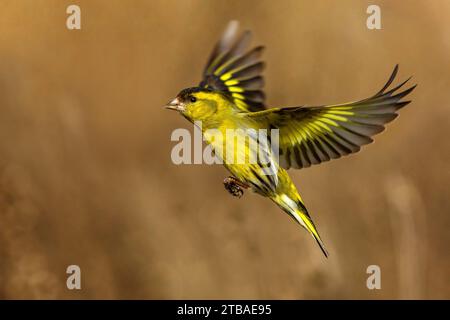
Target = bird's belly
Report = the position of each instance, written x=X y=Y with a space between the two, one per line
x=246 y=159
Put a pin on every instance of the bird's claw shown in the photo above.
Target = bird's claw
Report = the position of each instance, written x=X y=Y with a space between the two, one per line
x=234 y=186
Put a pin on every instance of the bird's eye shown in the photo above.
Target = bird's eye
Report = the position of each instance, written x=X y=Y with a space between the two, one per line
x=193 y=99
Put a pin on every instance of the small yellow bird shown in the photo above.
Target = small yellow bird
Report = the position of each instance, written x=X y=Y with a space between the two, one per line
x=230 y=97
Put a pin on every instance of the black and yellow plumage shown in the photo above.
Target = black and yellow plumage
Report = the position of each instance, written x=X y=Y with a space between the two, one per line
x=230 y=96
x=233 y=70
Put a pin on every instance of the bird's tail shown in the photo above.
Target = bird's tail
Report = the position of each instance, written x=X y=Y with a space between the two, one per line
x=297 y=210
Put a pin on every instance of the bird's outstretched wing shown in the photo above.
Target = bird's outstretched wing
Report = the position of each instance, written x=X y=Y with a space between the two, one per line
x=311 y=135
x=235 y=70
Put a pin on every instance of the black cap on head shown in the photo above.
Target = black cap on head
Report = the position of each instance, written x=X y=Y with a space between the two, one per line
x=185 y=93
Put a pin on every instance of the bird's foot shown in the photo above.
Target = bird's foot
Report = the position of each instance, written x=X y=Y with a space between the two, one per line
x=234 y=186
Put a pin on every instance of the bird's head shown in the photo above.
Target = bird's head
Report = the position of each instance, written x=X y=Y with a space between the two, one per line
x=198 y=104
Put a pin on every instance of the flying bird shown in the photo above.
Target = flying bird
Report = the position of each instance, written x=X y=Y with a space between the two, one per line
x=230 y=97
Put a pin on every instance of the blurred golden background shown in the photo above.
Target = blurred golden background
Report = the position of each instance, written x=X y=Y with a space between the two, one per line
x=86 y=176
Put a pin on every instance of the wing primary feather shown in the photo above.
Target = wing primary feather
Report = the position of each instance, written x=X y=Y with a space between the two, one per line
x=223 y=44
x=388 y=83
x=252 y=83
x=249 y=58
x=235 y=51
x=315 y=157
x=248 y=71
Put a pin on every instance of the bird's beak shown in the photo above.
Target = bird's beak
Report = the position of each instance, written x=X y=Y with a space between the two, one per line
x=175 y=104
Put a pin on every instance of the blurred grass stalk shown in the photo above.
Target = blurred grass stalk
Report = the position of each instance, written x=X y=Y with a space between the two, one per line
x=408 y=223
